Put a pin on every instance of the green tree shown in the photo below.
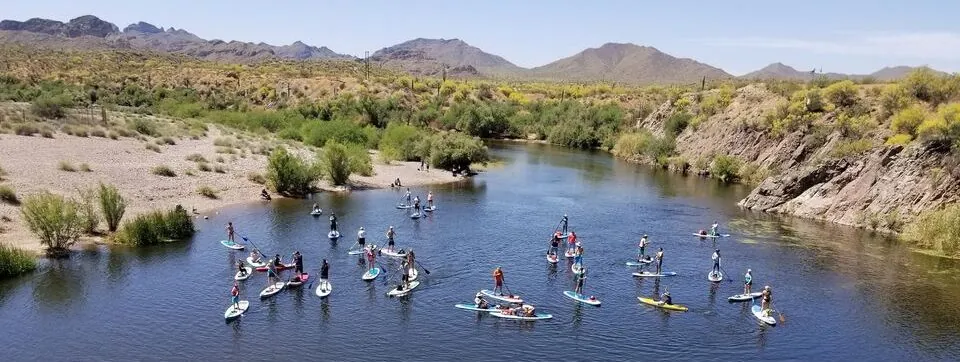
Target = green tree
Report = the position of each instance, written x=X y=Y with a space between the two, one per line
x=55 y=220
x=112 y=205
x=289 y=175
x=841 y=94
x=455 y=152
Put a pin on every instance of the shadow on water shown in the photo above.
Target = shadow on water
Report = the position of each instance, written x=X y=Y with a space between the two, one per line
x=62 y=284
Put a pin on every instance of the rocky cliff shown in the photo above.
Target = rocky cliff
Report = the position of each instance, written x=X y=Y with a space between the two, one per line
x=801 y=172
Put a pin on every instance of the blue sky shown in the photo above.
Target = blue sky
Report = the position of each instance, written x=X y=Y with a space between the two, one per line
x=852 y=36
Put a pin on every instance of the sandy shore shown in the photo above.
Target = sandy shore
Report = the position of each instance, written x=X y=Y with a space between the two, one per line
x=32 y=165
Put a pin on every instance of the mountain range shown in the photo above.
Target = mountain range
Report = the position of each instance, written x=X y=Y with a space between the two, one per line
x=614 y=62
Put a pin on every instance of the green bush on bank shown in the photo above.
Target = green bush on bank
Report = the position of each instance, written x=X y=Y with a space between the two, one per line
x=725 y=168
x=937 y=230
x=455 y=151
x=157 y=227
x=399 y=143
x=54 y=219
x=15 y=261
x=112 y=204
x=288 y=175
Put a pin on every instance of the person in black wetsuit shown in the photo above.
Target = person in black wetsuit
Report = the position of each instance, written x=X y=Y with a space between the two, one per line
x=333 y=222
x=298 y=263
x=324 y=270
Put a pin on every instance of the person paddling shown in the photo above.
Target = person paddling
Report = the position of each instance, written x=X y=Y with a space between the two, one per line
x=713 y=229
x=578 y=257
x=271 y=273
x=564 y=223
x=747 y=282
x=411 y=259
x=371 y=257
x=242 y=268
x=316 y=209
x=333 y=222
x=665 y=299
x=298 y=264
x=276 y=261
x=255 y=256
x=231 y=232
x=580 y=278
x=361 y=238
x=390 y=235
x=480 y=302
x=716 y=262
x=766 y=298
x=571 y=241
x=430 y=199
x=641 y=254
x=324 y=270
x=554 y=244
x=235 y=295
x=408 y=196
x=498 y=281
x=659 y=260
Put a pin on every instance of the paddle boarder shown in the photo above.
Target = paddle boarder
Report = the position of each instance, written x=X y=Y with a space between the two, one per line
x=242 y=268
x=390 y=235
x=361 y=238
x=578 y=257
x=716 y=262
x=333 y=222
x=371 y=257
x=564 y=222
x=665 y=299
x=407 y=196
x=411 y=259
x=480 y=302
x=643 y=247
x=571 y=241
x=276 y=261
x=430 y=199
x=298 y=263
x=235 y=295
x=713 y=228
x=316 y=209
x=324 y=270
x=572 y=238
x=230 y=232
x=498 y=281
x=659 y=260
x=766 y=298
x=747 y=282
x=255 y=256
x=554 y=244
x=264 y=194
x=580 y=277
x=271 y=273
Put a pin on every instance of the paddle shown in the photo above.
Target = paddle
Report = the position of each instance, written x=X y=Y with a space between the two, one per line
x=782 y=319
x=254 y=246
x=729 y=280
x=425 y=270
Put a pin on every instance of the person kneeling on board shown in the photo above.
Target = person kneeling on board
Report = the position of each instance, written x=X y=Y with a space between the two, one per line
x=480 y=302
x=665 y=299
x=242 y=268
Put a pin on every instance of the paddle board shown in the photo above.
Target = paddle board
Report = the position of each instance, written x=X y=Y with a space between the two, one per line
x=282 y=267
x=239 y=276
x=231 y=245
x=711 y=236
x=316 y=212
x=654 y=275
x=333 y=234
x=324 y=289
x=271 y=290
x=715 y=276
x=591 y=300
x=505 y=298
x=744 y=297
x=234 y=312
x=396 y=253
x=490 y=308
x=402 y=206
x=253 y=264
x=657 y=304
x=413 y=274
x=297 y=283
x=640 y=262
x=394 y=292
x=768 y=319
x=537 y=316
x=415 y=215
x=371 y=274
x=570 y=253
x=360 y=251
x=430 y=208
x=576 y=268
x=552 y=258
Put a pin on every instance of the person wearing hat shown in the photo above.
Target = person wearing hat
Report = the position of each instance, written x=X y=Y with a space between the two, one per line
x=480 y=302
x=713 y=229
x=766 y=298
x=333 y=222
x=298 y=264
x=666 y=299
x=643 y=247
x=716 y=262
x=498 y=281
x=235 y=295
x=580 y=278
x=564 y=223
x=361 y=238
x=659 y=260
x=747 y=281
x=390 y=235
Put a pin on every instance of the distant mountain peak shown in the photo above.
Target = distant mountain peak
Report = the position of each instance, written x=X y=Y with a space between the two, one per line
x=413 y=55
x=627 y=62
x=143 y=27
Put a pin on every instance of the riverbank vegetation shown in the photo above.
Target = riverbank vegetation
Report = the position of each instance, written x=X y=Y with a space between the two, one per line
x=937 y=231
x=15 y=261
x=157 y=227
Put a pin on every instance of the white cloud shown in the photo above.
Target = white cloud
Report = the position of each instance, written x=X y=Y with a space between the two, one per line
x=934 y=45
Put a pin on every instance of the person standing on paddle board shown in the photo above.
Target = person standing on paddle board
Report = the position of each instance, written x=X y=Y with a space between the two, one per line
x=333 y=222
x=564 y=222
x=298 y=264
x=716 y=261
x=429 y=199
x=410 y=260
x=404 y=281
x=571 y=241
x=276 y=261
x=390 y=235
x=498 y=281
x=408 y=196
x=230 y=232
x=324 y=270
x=578 y=258
x=747 y=282
x=659 y=260
x=271 y=273
x=361 y=238
x=371 y=257
x=580 y=277
x=235 y=295
x=554 y=244
x=713 y=229
x=643 y=247
x=766 y=298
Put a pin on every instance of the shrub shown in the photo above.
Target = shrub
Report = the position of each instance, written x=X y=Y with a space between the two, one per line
x=7 y=195
x=208 y=192
x=85 y=167
x=907 y=120
x=676 y=123
x=113 y=135
x=220 y=159
x=289 y=175
x=226 y=150
x=851 y=148
x=223 y=142
x=55 y=220
x=153 y=147
x=399 y=143
x=725 y=168
x=15 y=261
x=455 y=152
x=219 y=169
x=46 y=133
x=51 y=106
x=945 y=124
x=166 y=141
x=89 y=214
x=336 y=163
x=66 y=166
x=112 y=205
x=157 y=227
x=196 y=157
x=841 y=94
x=899 y=139
x=893 y=99
x=631 y=144
x=256 y=178
x=145 y=127
x=97 y=132
x=163 y=170
x=204 y=167
x=925 y=85
x=26 y=130
x=937 y=230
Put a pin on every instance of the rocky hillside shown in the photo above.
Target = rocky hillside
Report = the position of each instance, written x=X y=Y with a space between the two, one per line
x=627 y=63
x=424 y=56
x=782 y=71
x=839 y=164
x=89 y=32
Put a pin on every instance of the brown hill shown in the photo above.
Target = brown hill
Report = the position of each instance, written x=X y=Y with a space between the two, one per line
x=430 y=56
x=627 y=63
x=784 y=72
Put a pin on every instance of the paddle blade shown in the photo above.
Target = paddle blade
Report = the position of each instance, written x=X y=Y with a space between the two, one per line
x=782 y=319
x=244 y=238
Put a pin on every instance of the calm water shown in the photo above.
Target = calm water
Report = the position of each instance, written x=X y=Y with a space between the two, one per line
x=844 y=293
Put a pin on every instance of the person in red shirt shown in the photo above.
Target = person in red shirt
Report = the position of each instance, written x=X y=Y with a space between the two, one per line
x=235 y=295
x=498 y=280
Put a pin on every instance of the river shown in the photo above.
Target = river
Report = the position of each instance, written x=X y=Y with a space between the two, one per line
x=844 y=293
